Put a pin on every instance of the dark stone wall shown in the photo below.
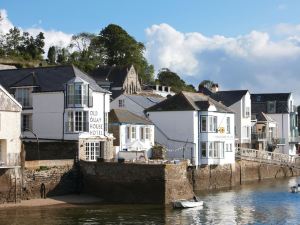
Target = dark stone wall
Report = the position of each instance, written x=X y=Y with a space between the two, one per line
x=57 y=180
x=136 y=183
x=50 y=150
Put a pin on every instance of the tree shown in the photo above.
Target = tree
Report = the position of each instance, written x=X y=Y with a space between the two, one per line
x=62 y=55
x=52 y=55
x=207 y=84
x=12 y=41
x=122 y=49
x=168 y=78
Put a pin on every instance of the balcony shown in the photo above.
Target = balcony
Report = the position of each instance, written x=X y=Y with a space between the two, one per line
x=259 y=136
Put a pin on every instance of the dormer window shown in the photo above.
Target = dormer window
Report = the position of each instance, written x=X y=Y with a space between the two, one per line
x=24 y=97
x=79 y=95
x=271 y=106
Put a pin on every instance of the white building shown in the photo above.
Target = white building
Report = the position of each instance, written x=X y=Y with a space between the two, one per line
x=134 y=135
x=161 y=90
x=196 y=127
x=62 y=104
x=280 y=108
x=10 y=130
x=136 y=103
x=238 y=101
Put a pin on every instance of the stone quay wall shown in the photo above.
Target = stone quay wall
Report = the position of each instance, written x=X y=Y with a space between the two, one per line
x=136 y=183
x=10 y=185
x=49 y=181
x=226 y=176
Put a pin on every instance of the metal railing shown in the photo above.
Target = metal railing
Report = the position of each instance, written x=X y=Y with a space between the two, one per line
x=258 y=136
x=266 y=157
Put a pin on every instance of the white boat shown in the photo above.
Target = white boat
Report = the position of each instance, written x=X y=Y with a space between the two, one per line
x=295 y=189
x=187 y=203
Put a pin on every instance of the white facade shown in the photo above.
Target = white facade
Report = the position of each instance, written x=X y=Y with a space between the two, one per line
x=135 y=137
x=10 y=130
x=181 y=132
x=242 y=111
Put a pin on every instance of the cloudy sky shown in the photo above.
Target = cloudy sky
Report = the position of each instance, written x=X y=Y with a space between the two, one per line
x=251 y=45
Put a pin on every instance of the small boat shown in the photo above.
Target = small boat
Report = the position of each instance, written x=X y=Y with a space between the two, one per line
x=295 y=189
x=183 y=203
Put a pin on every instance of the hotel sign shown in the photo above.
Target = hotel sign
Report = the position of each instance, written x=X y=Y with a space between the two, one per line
x=96 y=123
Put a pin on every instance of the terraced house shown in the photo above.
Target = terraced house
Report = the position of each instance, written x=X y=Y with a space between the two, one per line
x=62 y=104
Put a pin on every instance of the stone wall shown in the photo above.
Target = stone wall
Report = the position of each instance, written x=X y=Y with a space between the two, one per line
x=136 y=183
x=226 y=176
x=50 y=150
x=57 y=180
x=10 y=185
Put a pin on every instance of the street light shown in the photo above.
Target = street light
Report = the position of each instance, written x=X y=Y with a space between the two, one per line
x=37 y=140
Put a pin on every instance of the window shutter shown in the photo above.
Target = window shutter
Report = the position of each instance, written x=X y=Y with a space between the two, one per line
x=91 y=97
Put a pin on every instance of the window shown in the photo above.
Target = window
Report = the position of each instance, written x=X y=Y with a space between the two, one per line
x=26 y=122
x=228 y=147
x=246 y=132
x=228 y=125
x=133 y=132
x=247 y=111
x=142 y=133
x=128 y=132
x=79 y=94
x=121 y=103
x=77 y=121
x=23 y=96
x=216 y=149
x=271 y=106
x=203 y=149
x=147 y=133
x=92 y=151
x=208 y=124
x=105 y=122
x=203 y=124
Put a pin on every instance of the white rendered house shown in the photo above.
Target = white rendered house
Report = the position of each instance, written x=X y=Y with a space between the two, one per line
x=60 y=104
x=194 y=126
x=238 y=101
x=10 y=130
x=280 y=108
x=134 y=135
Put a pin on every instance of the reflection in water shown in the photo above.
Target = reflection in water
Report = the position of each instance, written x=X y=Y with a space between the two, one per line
x=263 y=203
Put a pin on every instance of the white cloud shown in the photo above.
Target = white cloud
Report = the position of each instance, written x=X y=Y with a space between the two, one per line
x=252 y=61
x=52 y=37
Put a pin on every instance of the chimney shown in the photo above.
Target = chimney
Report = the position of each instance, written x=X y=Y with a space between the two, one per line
x=157 y=87
x=169 y=89
x=215 y=88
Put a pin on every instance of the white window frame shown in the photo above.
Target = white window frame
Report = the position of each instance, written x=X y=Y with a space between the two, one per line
x=133 y=132
x=247 y=111
x=211 y=124
x=77 y=121
x=121 y=103
x=147 y=133
x=78 y=94
x=24 y=97
x=228 y=120
x=215 y=149
x=92 y=151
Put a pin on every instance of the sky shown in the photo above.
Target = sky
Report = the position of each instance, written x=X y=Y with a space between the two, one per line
x=252 y=44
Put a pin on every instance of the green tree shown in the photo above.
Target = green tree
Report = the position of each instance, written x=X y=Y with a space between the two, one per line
x=13 y=41
x=62 y=55
x=122 y=49
x=206 y=83
x=51 y=55
x=168 y=78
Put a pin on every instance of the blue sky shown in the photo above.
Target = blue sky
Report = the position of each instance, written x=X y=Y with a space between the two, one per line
x=252 y=44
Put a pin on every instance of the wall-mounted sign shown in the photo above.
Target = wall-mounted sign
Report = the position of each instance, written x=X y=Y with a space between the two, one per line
x=96 y=123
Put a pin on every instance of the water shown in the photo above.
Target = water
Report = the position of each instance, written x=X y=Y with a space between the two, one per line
x=268 y=202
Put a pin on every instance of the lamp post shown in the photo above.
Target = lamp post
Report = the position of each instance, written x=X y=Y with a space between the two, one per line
x=37 y=140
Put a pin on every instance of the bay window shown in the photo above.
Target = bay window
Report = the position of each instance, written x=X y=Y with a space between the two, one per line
x=209 y=124
x=77 y=121
x=78 y=95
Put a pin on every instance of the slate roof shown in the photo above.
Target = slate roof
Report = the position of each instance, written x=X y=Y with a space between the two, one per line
x=259 y=102
x=116 y=75
x=145 y=101
x=262 y=117
x=189 y=101
x=47 y=79
x=227 y=98
x=124 y=116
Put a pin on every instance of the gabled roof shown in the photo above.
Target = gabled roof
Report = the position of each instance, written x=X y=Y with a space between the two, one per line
x=125 y=117
x=227 y=98
x=47 y=79
x=113 y=74
x=262 y=117
x=189 y=101
x=8 y=102
x=145 y=101
x=259 y=102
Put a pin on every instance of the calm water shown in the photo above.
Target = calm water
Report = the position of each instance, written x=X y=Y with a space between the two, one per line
x=263 y=203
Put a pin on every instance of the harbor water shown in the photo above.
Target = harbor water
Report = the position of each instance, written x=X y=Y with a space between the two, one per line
x=267 y=202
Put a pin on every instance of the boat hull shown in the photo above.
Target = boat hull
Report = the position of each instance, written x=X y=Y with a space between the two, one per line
x=187 y=204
